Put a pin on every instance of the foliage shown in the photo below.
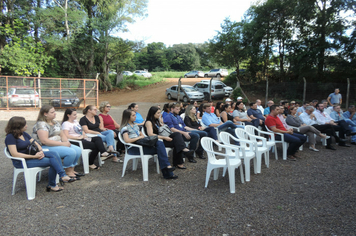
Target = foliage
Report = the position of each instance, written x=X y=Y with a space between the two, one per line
x=135 y=81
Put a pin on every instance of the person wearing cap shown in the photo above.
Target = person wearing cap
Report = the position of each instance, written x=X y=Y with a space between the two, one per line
x=239 y=99
x=292 y=103
x=228 y=101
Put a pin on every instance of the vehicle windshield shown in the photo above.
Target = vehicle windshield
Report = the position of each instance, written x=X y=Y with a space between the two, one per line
x=190 y=89
x=25 y=91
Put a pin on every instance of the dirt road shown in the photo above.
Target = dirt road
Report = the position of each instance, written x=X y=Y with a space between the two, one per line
x=154 y=93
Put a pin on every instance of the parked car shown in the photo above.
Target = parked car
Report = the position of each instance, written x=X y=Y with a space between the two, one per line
x=194 y=73
x=127 y=73
x=63 y=98
x=20 y=97
x=193 y=94
x=217 y=90
x=217 y=73
x=241 y=72
x=143 y=73
x=227 y=89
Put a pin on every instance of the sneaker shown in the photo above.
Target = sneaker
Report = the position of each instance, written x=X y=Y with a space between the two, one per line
x=313 y=149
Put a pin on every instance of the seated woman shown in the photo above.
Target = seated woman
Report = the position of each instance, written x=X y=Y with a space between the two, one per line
x=200 y=111
x=17 y=141
x=295 y=121
x=91 y=124
x=166 y=110
x=139 y=119
x=48 y=133
x=225 y=114
x=240 y=115
x=110 y=123
x=175 y=140
x=72 y=129
x=131 y=133
x=218 y=108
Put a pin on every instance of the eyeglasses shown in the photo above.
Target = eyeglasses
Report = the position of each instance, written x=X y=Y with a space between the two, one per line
x=108 y=106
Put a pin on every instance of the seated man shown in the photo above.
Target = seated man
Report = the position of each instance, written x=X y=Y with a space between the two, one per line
x=342 y=126
x=302 y=108
x=211 y=120
x=259 y=106
x=308 y=118
x=338 y=117
x=350 y=115
x=175 y=122
x=327 y=109
x=295 y=140
x=267 y=111
x=255 y=113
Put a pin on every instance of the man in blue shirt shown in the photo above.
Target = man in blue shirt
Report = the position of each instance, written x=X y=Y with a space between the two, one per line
x=338 y=117
x=267 y=110
x=211 y=120
x=176 y=123
x=335 y=97
x=255 y=113
x=350 y=115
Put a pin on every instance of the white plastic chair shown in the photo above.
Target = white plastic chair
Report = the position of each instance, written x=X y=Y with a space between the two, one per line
x=270 y=143
x=229 y=162
x=85 y=155
x=247 y=156
x=29 y=176
x=284 y=144
x=144 y=159
x=260 y=148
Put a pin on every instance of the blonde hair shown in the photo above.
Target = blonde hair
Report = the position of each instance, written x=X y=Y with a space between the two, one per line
x=103 y=105
x=44 y=109
x=190 y=115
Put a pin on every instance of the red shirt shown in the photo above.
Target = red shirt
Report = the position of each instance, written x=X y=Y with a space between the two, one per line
x=108 y=122
x=274 y=121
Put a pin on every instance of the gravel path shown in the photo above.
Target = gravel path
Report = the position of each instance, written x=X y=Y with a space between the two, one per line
x=312 y=196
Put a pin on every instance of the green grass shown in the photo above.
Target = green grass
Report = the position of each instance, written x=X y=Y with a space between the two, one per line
x=168 y=74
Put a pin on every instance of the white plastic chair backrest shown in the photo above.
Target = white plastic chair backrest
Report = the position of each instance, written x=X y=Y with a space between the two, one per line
x=207 y=144
x=201 y=122
x=225 y=137
x=182 y=116
x=7 y=154
x=250 y=129
x=241 y=133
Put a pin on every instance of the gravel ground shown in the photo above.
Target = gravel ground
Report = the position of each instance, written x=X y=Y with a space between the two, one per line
x=312 y=196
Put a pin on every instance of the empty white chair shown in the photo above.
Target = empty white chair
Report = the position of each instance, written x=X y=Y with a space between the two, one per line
x=229 y=162
x=258 y=149
x=29 y=176
x=144 y=159
x=247 y=156
x=270 y=143
x=284 y=144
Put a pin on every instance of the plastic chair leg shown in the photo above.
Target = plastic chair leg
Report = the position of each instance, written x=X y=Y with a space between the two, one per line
x=30 y=180
x=124 y=167
x=16 y=173
x=242 y=174
x=207 y=177
x=144 y=169
x=247 y=169
x=232 y=179
x=85 y=160
x=258 y=159
x=216 y=173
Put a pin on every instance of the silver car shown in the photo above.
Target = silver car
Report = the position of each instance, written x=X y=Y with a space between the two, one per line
x=217 y=73
x=217 y=90
x=143 y=73
x=194 y=73
x=193 y=94
x=227 y=89
x=21 y=97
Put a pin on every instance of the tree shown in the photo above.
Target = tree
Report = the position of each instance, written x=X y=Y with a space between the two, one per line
x=183 y=57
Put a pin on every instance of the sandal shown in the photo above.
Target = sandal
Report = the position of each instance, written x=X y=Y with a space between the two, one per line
x=118 y=160
x=50 y=189
x=71 y=180
x=103 y=158
x=95 y=168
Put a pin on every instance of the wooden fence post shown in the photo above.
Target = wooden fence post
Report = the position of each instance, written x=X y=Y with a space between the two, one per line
x=305 y=89
x=266 y=92
x=348 y=93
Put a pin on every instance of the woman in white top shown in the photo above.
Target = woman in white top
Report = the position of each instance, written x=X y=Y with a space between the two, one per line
x=73 y=130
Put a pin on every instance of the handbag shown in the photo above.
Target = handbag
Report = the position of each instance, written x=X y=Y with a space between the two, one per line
x=164 y=130
x=149 y=141
x=32 y=148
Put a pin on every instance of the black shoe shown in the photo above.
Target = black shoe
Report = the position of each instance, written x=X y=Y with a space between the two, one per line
x=171 y=169
x=192 y=160
x=201 y=156
x=182 y=168
x=189 y=154
x=344 y=145
x=168 y=174
x=79 y=174
x=353 y=133
x=330 y=147
x=75 y=177
x=341 y=140
x=71 y=180
x=353 y=143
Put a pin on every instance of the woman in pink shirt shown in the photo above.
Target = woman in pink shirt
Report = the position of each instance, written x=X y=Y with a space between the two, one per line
x=73 y=130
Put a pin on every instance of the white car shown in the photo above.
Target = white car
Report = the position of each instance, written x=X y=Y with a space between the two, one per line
x=217 y=73
x=227 y=89
x=127 y=73
x=143 y=73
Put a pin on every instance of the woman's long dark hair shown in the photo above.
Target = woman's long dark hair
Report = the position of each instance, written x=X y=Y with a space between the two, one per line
x=132 y=105
x=15 y=126
x=68 y=111
x=85 y=110
x=237 y=106
x=151 y=117
x=218 y=107
x=125 y=117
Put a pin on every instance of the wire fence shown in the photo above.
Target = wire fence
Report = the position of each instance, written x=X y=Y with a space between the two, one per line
x=303 y=91
x=34 y=92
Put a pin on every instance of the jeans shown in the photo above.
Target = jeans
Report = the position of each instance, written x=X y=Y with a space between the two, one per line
x=294 y=140
x=108 y=137
x=352 y=128
x=70 y=155
x=52 y=160
x=199 y=149
x=159 y=149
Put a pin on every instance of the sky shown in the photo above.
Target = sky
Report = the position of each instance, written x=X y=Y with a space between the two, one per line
x=184 y=21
